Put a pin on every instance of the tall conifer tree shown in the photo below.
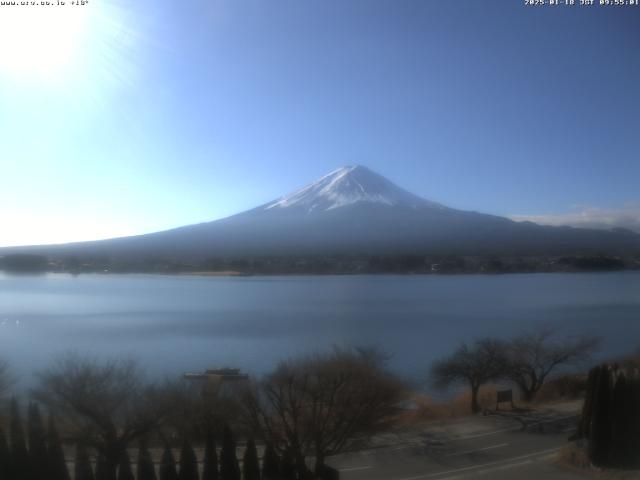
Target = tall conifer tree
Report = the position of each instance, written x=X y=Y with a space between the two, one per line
x=210 y=468
x=20 y=462
x=5 y=457
x=587 y=406
x=82 y=467
x=287 y=466
x=188 y=462
x=56 y=461
x=124 y=467
x=146 y=470
x=168 y=465
x=250 y=465
x=37 y=443
x=600 y=434
x=103 y=472
x=229 y=468
x=270 y=464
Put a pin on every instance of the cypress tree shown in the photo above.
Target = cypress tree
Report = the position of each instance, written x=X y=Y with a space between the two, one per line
x=188 y=462
x=250 y=465
x=614 y=424
x=620 y=412
x=124 y=467
x=287 y=467
x=168 y=465
x=5 y=457
x=270 y=464
x=37 y=444
x=229 y=468
x=626 y=422
x=601 y=432
x=102 y=469
x=83 y=470
x=634 y=420
x=146 y=470
x=20 y=464
x=56 y=461
x=587 y=407
x=210 y=468
x=600 y=437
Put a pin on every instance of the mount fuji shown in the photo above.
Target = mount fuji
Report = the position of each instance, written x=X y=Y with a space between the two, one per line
x=353 y=211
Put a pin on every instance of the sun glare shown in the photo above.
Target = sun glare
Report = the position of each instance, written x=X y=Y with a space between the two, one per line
x=42 y=40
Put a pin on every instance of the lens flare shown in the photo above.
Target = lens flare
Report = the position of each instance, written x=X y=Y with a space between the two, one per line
x=84 y=46
x=41 y=38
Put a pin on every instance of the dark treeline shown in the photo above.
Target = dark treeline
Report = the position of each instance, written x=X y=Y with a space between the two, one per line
x=336 y=264
x=120 y=426
x=25 y=263
x=34 y=455
x=39 y=455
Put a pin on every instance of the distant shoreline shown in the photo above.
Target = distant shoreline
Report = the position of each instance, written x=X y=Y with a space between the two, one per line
x=226 y=273
x=234 y=274
x=407 y=264
x=351 y=274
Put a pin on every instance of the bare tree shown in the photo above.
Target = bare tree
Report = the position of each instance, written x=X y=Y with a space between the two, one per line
x=534 y=355
x=197 y=408
x=324 y=404
x=476 y=364
x=107 y=404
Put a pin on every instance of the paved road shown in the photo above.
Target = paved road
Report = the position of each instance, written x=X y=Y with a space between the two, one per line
x=478 y=447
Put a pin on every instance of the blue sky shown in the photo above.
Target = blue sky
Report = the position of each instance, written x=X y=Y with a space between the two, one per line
x=125 y=117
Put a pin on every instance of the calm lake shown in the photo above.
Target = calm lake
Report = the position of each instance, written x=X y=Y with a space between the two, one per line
x=174 y=324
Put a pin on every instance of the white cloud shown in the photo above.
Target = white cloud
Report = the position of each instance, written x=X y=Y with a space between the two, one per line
x=591 y=217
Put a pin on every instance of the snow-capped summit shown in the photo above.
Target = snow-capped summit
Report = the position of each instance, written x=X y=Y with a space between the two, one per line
x=347 y=186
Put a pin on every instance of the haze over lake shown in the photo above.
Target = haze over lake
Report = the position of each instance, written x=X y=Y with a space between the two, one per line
x=175 y=324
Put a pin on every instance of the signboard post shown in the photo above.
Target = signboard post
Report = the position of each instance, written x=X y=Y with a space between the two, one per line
x=504 y=396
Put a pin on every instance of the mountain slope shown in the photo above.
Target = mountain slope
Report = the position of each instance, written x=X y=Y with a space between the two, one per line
x=355 y=211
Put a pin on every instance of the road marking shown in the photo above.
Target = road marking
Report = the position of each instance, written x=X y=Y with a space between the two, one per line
x=353 y=469
x=477 y=450
x=512 y=429
x=494 y=432
x=482 y=465
x=488 y=470
x=503 y=467
x=497 y=469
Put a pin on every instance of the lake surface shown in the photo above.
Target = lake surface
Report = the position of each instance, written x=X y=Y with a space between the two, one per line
x=174 y=324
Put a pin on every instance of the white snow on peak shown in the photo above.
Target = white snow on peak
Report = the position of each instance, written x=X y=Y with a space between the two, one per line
x=348 y=186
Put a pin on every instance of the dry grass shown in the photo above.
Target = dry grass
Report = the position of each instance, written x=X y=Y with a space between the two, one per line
x=574 y=457
x=426 y=409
